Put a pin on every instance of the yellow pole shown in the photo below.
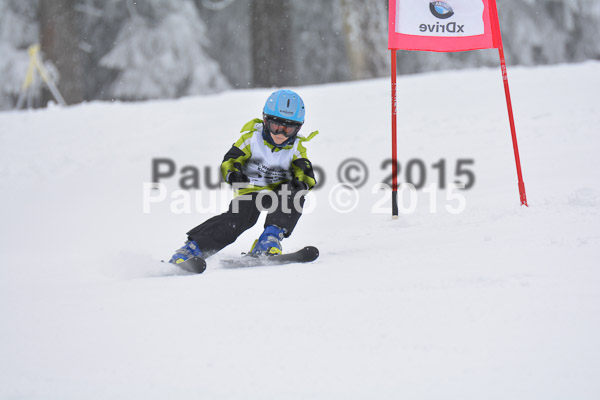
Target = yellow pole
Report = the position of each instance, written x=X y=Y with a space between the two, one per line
x=34 y=54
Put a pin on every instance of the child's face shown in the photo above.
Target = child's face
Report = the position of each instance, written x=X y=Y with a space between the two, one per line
x=281 y=130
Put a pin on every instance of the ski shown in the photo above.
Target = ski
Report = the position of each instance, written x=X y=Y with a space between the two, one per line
x=304 y=255
x=195 y=265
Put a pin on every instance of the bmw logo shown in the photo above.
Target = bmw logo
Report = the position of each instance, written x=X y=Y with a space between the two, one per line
x=441 y=9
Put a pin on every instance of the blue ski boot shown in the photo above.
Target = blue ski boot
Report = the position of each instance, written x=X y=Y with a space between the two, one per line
x=268 y=244
x=188 y=250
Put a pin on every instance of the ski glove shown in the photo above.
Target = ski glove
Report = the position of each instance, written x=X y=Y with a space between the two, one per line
x=237 y=177
x=298 y=185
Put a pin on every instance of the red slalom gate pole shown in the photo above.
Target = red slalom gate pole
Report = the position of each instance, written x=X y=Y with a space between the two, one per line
x=522 y=194
x=394 y=142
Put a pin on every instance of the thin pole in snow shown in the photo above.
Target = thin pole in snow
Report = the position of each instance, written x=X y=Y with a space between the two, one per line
x=394 y=142
x=522 y=194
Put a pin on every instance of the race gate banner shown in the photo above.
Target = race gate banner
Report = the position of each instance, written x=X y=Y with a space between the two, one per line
x=450 y=25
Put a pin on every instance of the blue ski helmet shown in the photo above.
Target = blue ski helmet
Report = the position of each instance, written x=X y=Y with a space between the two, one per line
x=286 y=105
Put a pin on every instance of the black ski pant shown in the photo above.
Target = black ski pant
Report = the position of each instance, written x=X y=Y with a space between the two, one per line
x=244 y=211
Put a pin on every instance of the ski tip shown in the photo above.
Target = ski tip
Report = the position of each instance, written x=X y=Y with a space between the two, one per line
x=199 y=265
x=312 y=253
x=195 y=265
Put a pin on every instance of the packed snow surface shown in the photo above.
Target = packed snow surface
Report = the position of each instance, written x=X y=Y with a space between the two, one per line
x=468 y=295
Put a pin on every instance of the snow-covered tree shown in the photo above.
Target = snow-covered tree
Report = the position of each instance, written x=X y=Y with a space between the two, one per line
x=160 y=53
x=550 y=31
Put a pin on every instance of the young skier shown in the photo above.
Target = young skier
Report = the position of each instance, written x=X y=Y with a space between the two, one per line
x=269 y=156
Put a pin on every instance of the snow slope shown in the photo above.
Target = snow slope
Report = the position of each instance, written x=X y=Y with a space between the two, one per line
x=498 y=301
